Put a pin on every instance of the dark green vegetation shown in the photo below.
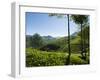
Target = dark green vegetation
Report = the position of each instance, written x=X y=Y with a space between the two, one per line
x=43 y=58
x=51 y=51
x=83 y=22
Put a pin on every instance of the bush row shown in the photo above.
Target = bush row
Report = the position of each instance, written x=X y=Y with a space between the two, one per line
x=43 y=58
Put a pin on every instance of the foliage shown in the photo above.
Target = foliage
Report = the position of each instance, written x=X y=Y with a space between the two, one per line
x=50 y=47
x=57 y=15
x=43 y=58
x=86 y=34
x=37 y=41
x=36 y=57
x=28 y=41
x=76 y=59
x=80 y=19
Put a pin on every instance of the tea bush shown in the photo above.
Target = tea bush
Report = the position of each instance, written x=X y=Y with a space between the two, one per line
x=36 y=57
x=76 y=60
x=43 y=58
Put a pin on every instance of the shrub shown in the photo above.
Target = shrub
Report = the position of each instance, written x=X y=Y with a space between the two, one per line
x=75 y=60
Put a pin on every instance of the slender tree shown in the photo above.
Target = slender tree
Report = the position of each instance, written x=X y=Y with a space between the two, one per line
x=68 y=22
x=81 y=20
x=69 y=51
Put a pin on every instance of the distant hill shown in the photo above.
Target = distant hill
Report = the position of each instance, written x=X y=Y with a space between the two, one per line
x=61 y=41
x=74 y=34
x=47 y=37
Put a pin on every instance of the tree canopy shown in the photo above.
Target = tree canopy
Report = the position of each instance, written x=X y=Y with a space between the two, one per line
x=37 y=41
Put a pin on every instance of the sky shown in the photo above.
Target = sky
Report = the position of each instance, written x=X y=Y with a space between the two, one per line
x=45 y=25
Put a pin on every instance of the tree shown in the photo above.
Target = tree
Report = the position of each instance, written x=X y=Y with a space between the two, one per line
x=67 y=18
x=28 y=41
x=86 y=37
x=37 y=41
x=69 y=50
x=81 y=20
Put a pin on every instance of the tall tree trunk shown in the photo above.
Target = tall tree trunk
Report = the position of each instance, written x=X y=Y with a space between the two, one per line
x=69 y=50
x=84 y=45
x=81 y=41
x=88 y=51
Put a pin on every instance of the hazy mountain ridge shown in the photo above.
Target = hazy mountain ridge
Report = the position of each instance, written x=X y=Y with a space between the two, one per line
x=50 y=38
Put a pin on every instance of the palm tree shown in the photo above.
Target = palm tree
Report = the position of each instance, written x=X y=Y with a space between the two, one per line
x=81 y=20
